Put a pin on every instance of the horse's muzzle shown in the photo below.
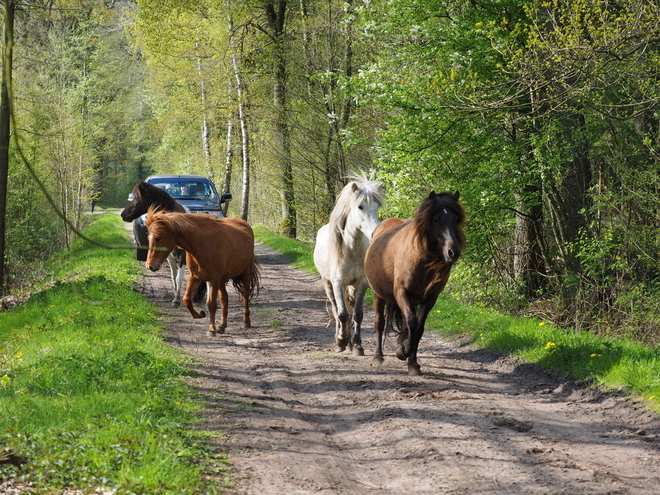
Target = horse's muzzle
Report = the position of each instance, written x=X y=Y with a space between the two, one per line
x=451 y=254
x=154 y=267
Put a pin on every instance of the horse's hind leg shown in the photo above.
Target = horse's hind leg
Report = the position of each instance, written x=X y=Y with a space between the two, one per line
x=327 y=285
x=379 y=326
x=246 y=310
x=224 y=308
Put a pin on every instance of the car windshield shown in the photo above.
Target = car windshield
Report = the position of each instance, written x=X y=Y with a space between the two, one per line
x=187 y=188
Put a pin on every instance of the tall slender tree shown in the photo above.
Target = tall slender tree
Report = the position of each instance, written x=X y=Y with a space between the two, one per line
x=5 y=123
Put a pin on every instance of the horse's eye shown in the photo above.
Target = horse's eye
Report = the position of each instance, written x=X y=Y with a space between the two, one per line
x=361 y=207
x=158 y=239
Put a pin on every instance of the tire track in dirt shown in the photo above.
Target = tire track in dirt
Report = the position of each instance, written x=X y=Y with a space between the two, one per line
x=302 y=419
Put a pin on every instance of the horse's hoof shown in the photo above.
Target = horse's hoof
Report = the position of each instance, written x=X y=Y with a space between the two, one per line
x=358 y=350
x=201 y=314
x=414 y=369
x=340 y=348
x=175 y=304
x=211 y=333
x=377 y=361
x=221 y=329
x=247 y=325
x=401 y=354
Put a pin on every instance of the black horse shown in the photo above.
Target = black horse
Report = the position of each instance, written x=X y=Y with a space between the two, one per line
x=143 y=196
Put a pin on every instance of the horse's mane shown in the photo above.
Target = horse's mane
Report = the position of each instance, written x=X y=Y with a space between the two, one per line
x=421 y=225
x=425 y=212
x=175 y=223
x=360 y=190
x=159 y=197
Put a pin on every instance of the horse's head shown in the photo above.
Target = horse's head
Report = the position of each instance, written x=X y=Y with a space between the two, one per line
x=161 y=239
x=362 y=203
x=439 y=220
x=139 y=204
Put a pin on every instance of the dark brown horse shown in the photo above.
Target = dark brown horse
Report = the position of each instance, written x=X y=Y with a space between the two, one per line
x=407 y=266
x=146 y=195
x=217 y=250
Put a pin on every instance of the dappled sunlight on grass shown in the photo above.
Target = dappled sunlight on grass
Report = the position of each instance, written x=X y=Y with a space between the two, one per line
x=613 y=363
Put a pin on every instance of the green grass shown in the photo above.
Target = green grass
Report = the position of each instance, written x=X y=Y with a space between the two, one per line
x=90 y=393
x=616 y=364
x=619 y=364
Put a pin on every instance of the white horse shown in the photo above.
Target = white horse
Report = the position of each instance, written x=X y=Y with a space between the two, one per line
x=339 y=256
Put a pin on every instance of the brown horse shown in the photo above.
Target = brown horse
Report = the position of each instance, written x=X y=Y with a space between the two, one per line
x=217 y=250
x=407 y=266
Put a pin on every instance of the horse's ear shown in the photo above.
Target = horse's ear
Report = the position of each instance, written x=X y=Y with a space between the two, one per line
x=432 y=195
x=354 y=187
x=456 y=195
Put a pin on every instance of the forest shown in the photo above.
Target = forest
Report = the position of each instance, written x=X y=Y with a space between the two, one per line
x=543 y=114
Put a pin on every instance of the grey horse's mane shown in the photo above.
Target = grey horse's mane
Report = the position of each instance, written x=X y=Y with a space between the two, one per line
x=360 y=189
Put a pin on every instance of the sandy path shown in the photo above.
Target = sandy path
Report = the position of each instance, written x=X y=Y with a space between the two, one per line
x=302 y=419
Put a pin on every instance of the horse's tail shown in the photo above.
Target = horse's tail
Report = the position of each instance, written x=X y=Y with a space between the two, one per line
x=249 y=288
x=393 y=320
x=200 y=296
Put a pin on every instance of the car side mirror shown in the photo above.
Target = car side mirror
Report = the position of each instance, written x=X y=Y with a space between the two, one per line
x=225 y=197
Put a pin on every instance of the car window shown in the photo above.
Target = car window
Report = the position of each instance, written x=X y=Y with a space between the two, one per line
x=187 y=189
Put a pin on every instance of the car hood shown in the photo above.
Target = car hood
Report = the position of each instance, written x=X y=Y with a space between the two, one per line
x=196 y=205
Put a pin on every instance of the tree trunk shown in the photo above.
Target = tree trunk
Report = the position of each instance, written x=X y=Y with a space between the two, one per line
x=528 y=260
x=245 y=142
x=5 y=125
x=229 y=155
x=276 y=17
x=206 y=147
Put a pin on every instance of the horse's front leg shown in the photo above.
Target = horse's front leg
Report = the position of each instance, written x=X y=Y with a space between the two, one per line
x=422 y=313
x=191 y=289
x=342 y=316
x=212 y=304
x=406 y=341
x=176 y=273
x=379 y=326
x=358 y=314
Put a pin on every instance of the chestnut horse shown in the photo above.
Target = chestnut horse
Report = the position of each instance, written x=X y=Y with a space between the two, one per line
x=144 y=196
x=407 y=266
x=217 y=250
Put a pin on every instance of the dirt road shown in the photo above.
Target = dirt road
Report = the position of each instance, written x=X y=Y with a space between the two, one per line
x=301 y=418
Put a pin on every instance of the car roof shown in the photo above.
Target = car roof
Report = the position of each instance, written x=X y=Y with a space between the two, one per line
x=177 y=176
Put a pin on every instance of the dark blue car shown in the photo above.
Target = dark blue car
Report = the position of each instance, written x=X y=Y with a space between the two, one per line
x=196 y=193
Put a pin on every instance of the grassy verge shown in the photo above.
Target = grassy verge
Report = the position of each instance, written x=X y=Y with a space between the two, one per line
x=616 y=364
x=90 y=393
